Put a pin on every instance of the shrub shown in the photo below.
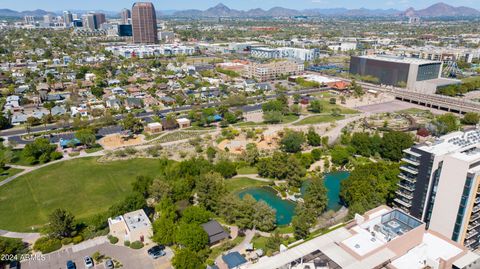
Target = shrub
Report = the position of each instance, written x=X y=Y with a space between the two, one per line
x=30 y=160
x=97 y=256
x=47 y=245
x=113 y=240
x=66 y=241
x=130 y=151
x=56 y=155
x=77 y=239
x=126 y=243
x=44 y=158
x=136 y=245
x=316 y=154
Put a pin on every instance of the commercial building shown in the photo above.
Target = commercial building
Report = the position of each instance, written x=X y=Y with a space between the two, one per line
x=382 y=238
x=439 y=184
x=395 y=70
x=125 y=15
x=67 y=19
x=132 y=226
x=125 y=30
x=273 y=70
x=284 y=53
x=89 y=22
x=143 y=51
x=29 y=20
x=99 y=19
x=144 y=22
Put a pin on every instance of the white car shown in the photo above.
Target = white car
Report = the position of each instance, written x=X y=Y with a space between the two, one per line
x=88 y=262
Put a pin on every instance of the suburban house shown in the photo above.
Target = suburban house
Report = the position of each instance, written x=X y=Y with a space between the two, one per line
x=215 y=232
x=183 y=123
x=132 y=226
x=154 y=127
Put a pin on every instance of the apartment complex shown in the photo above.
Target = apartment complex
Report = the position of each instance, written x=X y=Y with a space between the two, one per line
x=144 y=23
x=275 y=69
x=381 y=238
x=284 y=53
x=439 y=184
x=143 y=51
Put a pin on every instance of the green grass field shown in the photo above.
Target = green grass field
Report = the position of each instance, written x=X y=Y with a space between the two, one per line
x=238 y=183
x=82 y=186
x=247 y=170
x=319 y=119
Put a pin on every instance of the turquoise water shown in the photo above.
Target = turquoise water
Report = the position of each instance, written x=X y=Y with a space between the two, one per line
x=332 y=183
x=286 y=209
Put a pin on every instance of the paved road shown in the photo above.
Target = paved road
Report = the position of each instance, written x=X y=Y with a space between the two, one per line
x=129 y=258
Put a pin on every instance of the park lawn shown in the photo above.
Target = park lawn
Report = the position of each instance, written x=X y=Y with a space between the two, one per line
x=319 y=119
x=327 y=107
x=289 y=118
x=82 y=186
x=238 y=183
x=284 y=229
x=8 y=173
x=259 y=242
x=247 y=170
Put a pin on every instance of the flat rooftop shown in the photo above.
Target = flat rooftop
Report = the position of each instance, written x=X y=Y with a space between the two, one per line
x=452 y=142
x=380 y=230
x=137 y=220
x=398 y=59
x=429 y=252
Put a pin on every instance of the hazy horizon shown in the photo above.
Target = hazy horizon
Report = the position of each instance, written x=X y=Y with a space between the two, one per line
x=117 y=5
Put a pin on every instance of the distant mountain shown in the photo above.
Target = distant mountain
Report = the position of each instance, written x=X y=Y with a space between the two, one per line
x=222 y=10
x=13 y=13
x=442 y=10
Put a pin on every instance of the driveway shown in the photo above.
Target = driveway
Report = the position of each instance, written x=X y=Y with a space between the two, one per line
x=129 y=258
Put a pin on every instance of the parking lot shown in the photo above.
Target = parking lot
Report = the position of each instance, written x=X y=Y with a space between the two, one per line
x=129 y=258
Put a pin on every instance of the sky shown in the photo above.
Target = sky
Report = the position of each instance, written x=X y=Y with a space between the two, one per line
x=116 y=5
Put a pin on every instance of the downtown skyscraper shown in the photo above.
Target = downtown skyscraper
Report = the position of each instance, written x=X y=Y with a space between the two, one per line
x=144 y=23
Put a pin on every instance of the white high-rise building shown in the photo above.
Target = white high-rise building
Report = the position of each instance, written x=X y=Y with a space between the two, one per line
x=440 y=184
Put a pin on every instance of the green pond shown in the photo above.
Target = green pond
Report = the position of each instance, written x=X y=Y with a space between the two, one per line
x=285 y=209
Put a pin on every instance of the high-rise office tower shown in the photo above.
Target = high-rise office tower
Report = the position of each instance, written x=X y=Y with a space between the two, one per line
x=47 y=19
x=144 y=23
x=99 y=20
x=125 y=15
x=89 y=21
x=439 y=184
x=30 y=20
x=67 y=18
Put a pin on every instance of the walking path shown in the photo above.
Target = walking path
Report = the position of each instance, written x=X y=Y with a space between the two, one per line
x=255 y=177
x=26 y=237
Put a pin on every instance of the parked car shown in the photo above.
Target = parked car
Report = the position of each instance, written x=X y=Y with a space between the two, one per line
x=71 y=265
x=156 y=251
x=109 y=264
x=14 y=265
x=88 y=262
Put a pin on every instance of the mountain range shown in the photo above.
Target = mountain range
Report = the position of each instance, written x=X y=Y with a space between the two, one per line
x=436 y=10
x=221 y=10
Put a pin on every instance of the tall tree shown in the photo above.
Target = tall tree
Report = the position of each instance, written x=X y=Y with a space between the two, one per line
x=61 y=223
x=210 y=188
